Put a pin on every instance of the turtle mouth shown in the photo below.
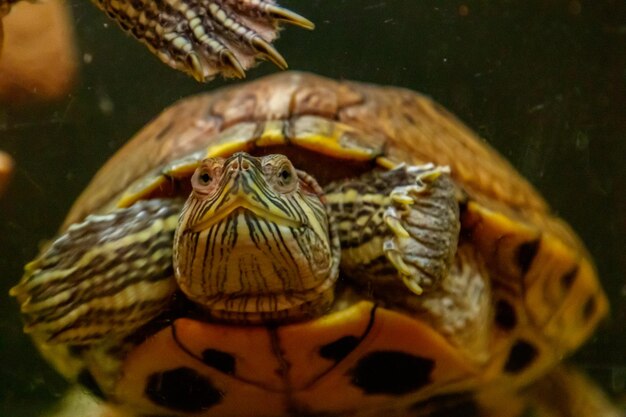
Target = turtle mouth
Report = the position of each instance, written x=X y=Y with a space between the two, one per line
x=241 y=207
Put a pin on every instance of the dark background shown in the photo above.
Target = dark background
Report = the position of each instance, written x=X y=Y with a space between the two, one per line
x=542 y=81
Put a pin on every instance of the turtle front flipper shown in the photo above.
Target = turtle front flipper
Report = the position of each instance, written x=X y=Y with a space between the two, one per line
x=103 y=278
x=205 y=37
x=397 y=226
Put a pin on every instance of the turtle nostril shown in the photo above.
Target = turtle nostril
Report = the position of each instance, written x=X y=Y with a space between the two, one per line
x=245 y=165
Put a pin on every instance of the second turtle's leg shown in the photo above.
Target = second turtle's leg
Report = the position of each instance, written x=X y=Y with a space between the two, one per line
x=205 y=38
x=398 y=226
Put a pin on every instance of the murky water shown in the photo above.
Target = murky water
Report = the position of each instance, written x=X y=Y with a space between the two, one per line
x=543 y=81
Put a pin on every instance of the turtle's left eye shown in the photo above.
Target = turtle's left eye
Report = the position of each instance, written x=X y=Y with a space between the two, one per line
x=285 y=175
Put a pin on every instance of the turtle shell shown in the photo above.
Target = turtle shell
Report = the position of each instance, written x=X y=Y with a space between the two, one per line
x=541 y=299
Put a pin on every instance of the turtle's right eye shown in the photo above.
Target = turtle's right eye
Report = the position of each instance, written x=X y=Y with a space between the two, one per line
x=204 y=178
x=202 y=181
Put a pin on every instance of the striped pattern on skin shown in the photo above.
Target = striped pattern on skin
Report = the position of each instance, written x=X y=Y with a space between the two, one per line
x=205 y=37
x=397 y=225
x=104 y=277
x=254 y=242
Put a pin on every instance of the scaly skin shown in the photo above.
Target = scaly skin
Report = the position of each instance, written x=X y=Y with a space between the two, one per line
x=534 y=296
x=202 y=38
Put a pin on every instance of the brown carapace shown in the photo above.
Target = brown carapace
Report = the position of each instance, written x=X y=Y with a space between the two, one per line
x=457 y=288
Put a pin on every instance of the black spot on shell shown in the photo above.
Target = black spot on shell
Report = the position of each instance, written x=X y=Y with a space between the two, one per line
x=589 y=308
x=522 y=354
x=568 y=278
x=391 y=372
x=86 y=379
x=220 y=360
x=448 y=405
x=526 y=253
x=505 y=315
x=340 y=348
x=182 y=389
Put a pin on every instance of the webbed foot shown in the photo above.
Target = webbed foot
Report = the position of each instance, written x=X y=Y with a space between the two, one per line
x=402 y=223
x=423 y=218
x=205 y=38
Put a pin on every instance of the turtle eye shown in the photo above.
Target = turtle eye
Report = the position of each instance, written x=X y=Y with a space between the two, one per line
x=204 y=178
x=285 y=175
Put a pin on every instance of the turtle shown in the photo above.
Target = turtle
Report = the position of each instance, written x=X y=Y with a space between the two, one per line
x=201 y=38
x=299 y=246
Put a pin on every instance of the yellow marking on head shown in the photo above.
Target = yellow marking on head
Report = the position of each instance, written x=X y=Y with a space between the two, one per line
x=216 y=217
x=280 y=261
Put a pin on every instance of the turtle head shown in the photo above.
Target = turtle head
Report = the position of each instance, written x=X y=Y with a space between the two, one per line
x=254 y=243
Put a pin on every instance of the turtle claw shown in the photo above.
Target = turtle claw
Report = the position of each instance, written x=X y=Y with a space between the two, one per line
x=423 y=219
x=288 y=16
x=268 y=51
x=235 y=69
x=205 y=38
x=405 y=271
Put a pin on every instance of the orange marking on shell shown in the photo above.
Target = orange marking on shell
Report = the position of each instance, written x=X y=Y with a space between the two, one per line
x=308 y=376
